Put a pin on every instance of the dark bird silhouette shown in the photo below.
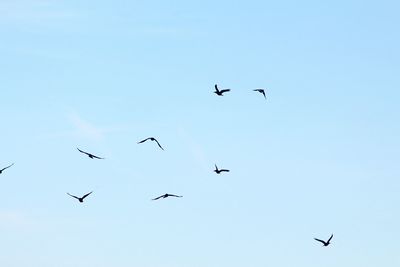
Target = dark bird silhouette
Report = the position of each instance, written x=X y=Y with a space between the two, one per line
x=152 y=139
x=221 y=170
x=89 y=155
x=6 y=168
x=220 y=92
x=325 y=243
x=165 y=196
x=262 y=91
x=80 y=198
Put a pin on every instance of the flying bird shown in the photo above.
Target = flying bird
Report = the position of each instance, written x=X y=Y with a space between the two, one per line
x=152 y=139
x=325 y=243
x=80 y=198
x=165 y=196
x=89 y=155
x=6 y=168
x=262 y=91
x=220 y=92
x=218 y=171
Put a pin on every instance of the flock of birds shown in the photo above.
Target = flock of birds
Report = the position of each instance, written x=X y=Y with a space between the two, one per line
x=218 y=92
x=221 y=92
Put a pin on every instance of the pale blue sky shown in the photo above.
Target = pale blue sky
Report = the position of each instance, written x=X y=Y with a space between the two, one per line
x=319 y=156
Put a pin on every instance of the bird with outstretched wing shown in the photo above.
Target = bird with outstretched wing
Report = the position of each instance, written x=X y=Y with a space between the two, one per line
x=218 y=171
x=165 y=196
x=89 y=155
x=80 y=198
x=151 y=139
x=325 y=243
x=220 y=92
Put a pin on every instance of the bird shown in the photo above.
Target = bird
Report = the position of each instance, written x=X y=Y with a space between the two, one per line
x=221 y=170
x=165 y=196
x=325 y=243
x=262 y=91
x=6 y=168
x=89 y=155
x=80 y=198
x=220 y=92
x=152 y=139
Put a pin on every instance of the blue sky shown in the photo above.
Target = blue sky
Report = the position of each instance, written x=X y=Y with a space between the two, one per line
x=319 y=156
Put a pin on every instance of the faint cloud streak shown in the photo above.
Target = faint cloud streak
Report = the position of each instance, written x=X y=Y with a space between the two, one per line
x=31 y=11
x=198 y=153
x=84 y=128
x=14 y=219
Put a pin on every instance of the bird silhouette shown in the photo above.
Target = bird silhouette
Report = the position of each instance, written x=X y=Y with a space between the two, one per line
x=152 y=139
x=220 y=92
x=262 y=91
x=80 y=198
x=218 y=171
x=325 y=243
x=89 y=155
x=1 y=171
x=165 y=196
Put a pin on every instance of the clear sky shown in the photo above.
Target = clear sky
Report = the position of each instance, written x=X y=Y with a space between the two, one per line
x=319 y=156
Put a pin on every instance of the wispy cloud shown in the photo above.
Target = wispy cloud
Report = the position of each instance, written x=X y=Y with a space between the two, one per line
x=14 y=219
x=197 y=151
x=76 y=126
x=85 y=128
x=32 y=11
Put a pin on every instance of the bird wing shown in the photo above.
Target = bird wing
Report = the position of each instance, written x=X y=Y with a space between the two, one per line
x=225 y=90
x=262 y=91
x=144 y=140
x=216 y=87
x=224 y=170
x=319 y=240
x=7 y=167
x=96 y=157
x=158 y=197
x=89 y=154
x=86 y=195
x=158 y=144
x=330 y=238
x=216 y=168
x=72 y=196
x=171 y=195
x=10 y=165
x=82 y=151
